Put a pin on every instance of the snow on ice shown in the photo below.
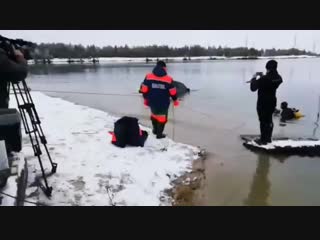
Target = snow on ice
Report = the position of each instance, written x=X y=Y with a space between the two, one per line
x=287 y=143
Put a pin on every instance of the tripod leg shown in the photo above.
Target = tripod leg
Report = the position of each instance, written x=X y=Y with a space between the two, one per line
x=27 y=108
x=36 y=121
x=23 y=117
x=53 y=164
x=47 y=190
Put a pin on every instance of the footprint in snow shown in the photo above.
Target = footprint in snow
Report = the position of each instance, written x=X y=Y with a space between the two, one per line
x=141 y=153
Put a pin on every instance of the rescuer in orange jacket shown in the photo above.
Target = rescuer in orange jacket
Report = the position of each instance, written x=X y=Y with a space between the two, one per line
x=157 y=88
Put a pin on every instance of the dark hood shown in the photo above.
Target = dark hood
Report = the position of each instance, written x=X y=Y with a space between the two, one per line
x=273 y=73
x=159 y=71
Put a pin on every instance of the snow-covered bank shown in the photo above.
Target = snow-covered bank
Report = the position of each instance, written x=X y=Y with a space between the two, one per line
x=91 y=171
x=172 y=59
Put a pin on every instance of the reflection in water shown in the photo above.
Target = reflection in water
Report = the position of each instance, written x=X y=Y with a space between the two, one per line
x=260 y=187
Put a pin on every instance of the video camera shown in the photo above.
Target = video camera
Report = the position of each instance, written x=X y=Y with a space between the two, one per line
x=29 y=116
x=260 y=74
x=9 y=45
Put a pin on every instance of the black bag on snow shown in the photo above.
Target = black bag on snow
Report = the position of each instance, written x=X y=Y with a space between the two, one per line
x=128 y=132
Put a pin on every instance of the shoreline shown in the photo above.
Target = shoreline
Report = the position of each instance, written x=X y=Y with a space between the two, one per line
x=187 y=188
x=154 y=59
x=101 y=174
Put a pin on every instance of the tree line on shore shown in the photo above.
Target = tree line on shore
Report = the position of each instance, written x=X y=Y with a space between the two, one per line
x=61 y=50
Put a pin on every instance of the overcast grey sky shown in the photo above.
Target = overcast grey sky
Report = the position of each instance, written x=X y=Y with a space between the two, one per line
x=305 y=39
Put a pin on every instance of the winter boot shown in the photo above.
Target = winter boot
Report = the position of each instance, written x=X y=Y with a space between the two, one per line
x=160 y=129
x=269 y=131
x=263 y=135
x=155 y=126
x=260 y=142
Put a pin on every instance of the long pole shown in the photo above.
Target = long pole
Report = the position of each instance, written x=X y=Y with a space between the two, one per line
x=173 y=124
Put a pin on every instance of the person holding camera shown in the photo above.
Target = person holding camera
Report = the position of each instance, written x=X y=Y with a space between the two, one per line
x=11 y=70
x=267 y=86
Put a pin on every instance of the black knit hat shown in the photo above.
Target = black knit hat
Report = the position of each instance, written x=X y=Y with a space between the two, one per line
x=161 y=64
x=272 y=65
x=284 y=105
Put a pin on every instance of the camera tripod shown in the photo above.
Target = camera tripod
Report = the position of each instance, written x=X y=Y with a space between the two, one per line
x=31 y=123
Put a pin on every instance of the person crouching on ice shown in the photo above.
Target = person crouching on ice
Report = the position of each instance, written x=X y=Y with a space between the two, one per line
x=157 y=88
x=288 y=114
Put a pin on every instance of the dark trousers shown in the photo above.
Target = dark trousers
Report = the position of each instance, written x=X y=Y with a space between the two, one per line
x=159 y=118
x=265 y=113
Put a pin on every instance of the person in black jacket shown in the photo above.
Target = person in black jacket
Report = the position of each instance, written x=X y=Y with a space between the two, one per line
x=288 y=113
x=157 y=89
x=267 y=86
x=10 y=71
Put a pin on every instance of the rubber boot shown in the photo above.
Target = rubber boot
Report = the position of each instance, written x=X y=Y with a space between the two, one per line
x=160 y=130
x=154 y=125
x=263 y=134
x=269 y=129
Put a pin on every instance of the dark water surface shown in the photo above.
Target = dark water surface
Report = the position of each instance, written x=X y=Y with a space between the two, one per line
x=220 y=108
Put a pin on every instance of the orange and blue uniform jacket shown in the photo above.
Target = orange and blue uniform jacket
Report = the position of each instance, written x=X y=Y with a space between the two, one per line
x=157 y=88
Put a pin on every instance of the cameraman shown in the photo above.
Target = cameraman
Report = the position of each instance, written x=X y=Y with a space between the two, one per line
x=267 y=101
x=10 y=71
